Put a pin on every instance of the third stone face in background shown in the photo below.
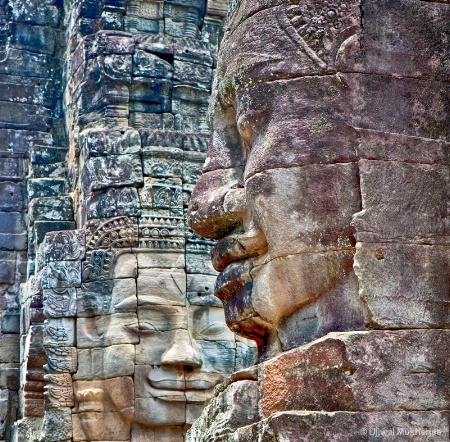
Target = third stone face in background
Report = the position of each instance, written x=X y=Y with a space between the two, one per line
x=175 y=373
x=185 y=349
x=327 y=140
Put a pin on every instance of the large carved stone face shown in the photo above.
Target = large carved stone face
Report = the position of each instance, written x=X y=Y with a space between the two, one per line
x=280 y=183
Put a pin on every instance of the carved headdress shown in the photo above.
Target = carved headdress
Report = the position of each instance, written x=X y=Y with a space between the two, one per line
x=267 y=40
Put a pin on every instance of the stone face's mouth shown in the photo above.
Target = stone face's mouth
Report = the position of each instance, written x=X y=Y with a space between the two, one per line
x=176 y=385
x=196 y=390
x=234 y=287
x=231 y=280
x=168 y=384
x=168 y=390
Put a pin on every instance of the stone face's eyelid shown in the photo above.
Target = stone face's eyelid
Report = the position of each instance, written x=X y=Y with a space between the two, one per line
x=147 y=326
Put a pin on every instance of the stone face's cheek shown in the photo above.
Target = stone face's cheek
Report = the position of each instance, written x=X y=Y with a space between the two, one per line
x=151 y=347
x=218 y=356
x=208 y=323
x=298 y=122
x=305 y=209
x=286 y=284
x=399 y=105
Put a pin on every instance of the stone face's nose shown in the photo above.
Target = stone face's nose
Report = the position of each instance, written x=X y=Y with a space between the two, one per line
x=181 y=351
x=210 y=215
x=223 y=170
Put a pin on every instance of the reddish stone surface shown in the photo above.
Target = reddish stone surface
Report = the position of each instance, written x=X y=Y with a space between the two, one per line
x=365 y=371
x=399 y=426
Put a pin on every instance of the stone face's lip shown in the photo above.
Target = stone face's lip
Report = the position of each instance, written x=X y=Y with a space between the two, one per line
x=174 y=387
x=232 y=278
x=176 y=398
x=167 y=384
x=199 y=384
x=167 y=394
x=237 y=247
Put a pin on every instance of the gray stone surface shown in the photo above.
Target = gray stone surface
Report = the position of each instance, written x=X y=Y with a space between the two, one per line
x=119 y=170
x=105 y=363
x=25 y=430
x=57 y=425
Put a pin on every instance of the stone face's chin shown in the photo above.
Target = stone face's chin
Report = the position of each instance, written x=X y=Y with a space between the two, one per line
x=259 y=299
x=93 y=425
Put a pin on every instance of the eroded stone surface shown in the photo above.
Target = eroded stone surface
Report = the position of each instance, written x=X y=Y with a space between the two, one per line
x=344 y=426
x=57 y=425
x=366 y=371
x=103 y=409
x=236 y=407
x=413 y=301
x=325 y=183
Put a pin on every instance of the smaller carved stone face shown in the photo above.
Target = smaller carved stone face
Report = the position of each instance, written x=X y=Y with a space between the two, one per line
x=184 y=352
x=103 y=409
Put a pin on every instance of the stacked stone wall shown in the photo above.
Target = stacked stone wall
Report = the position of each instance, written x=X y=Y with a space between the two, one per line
x=31 y=132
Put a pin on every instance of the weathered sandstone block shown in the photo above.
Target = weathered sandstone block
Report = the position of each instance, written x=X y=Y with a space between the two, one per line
x=418 y=298
x=105 y=363
x=365 y=371
x=407 y=426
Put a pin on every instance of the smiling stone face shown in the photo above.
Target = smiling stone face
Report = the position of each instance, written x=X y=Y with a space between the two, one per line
x=280 y=183
x=308 y=108
x=185 y=350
